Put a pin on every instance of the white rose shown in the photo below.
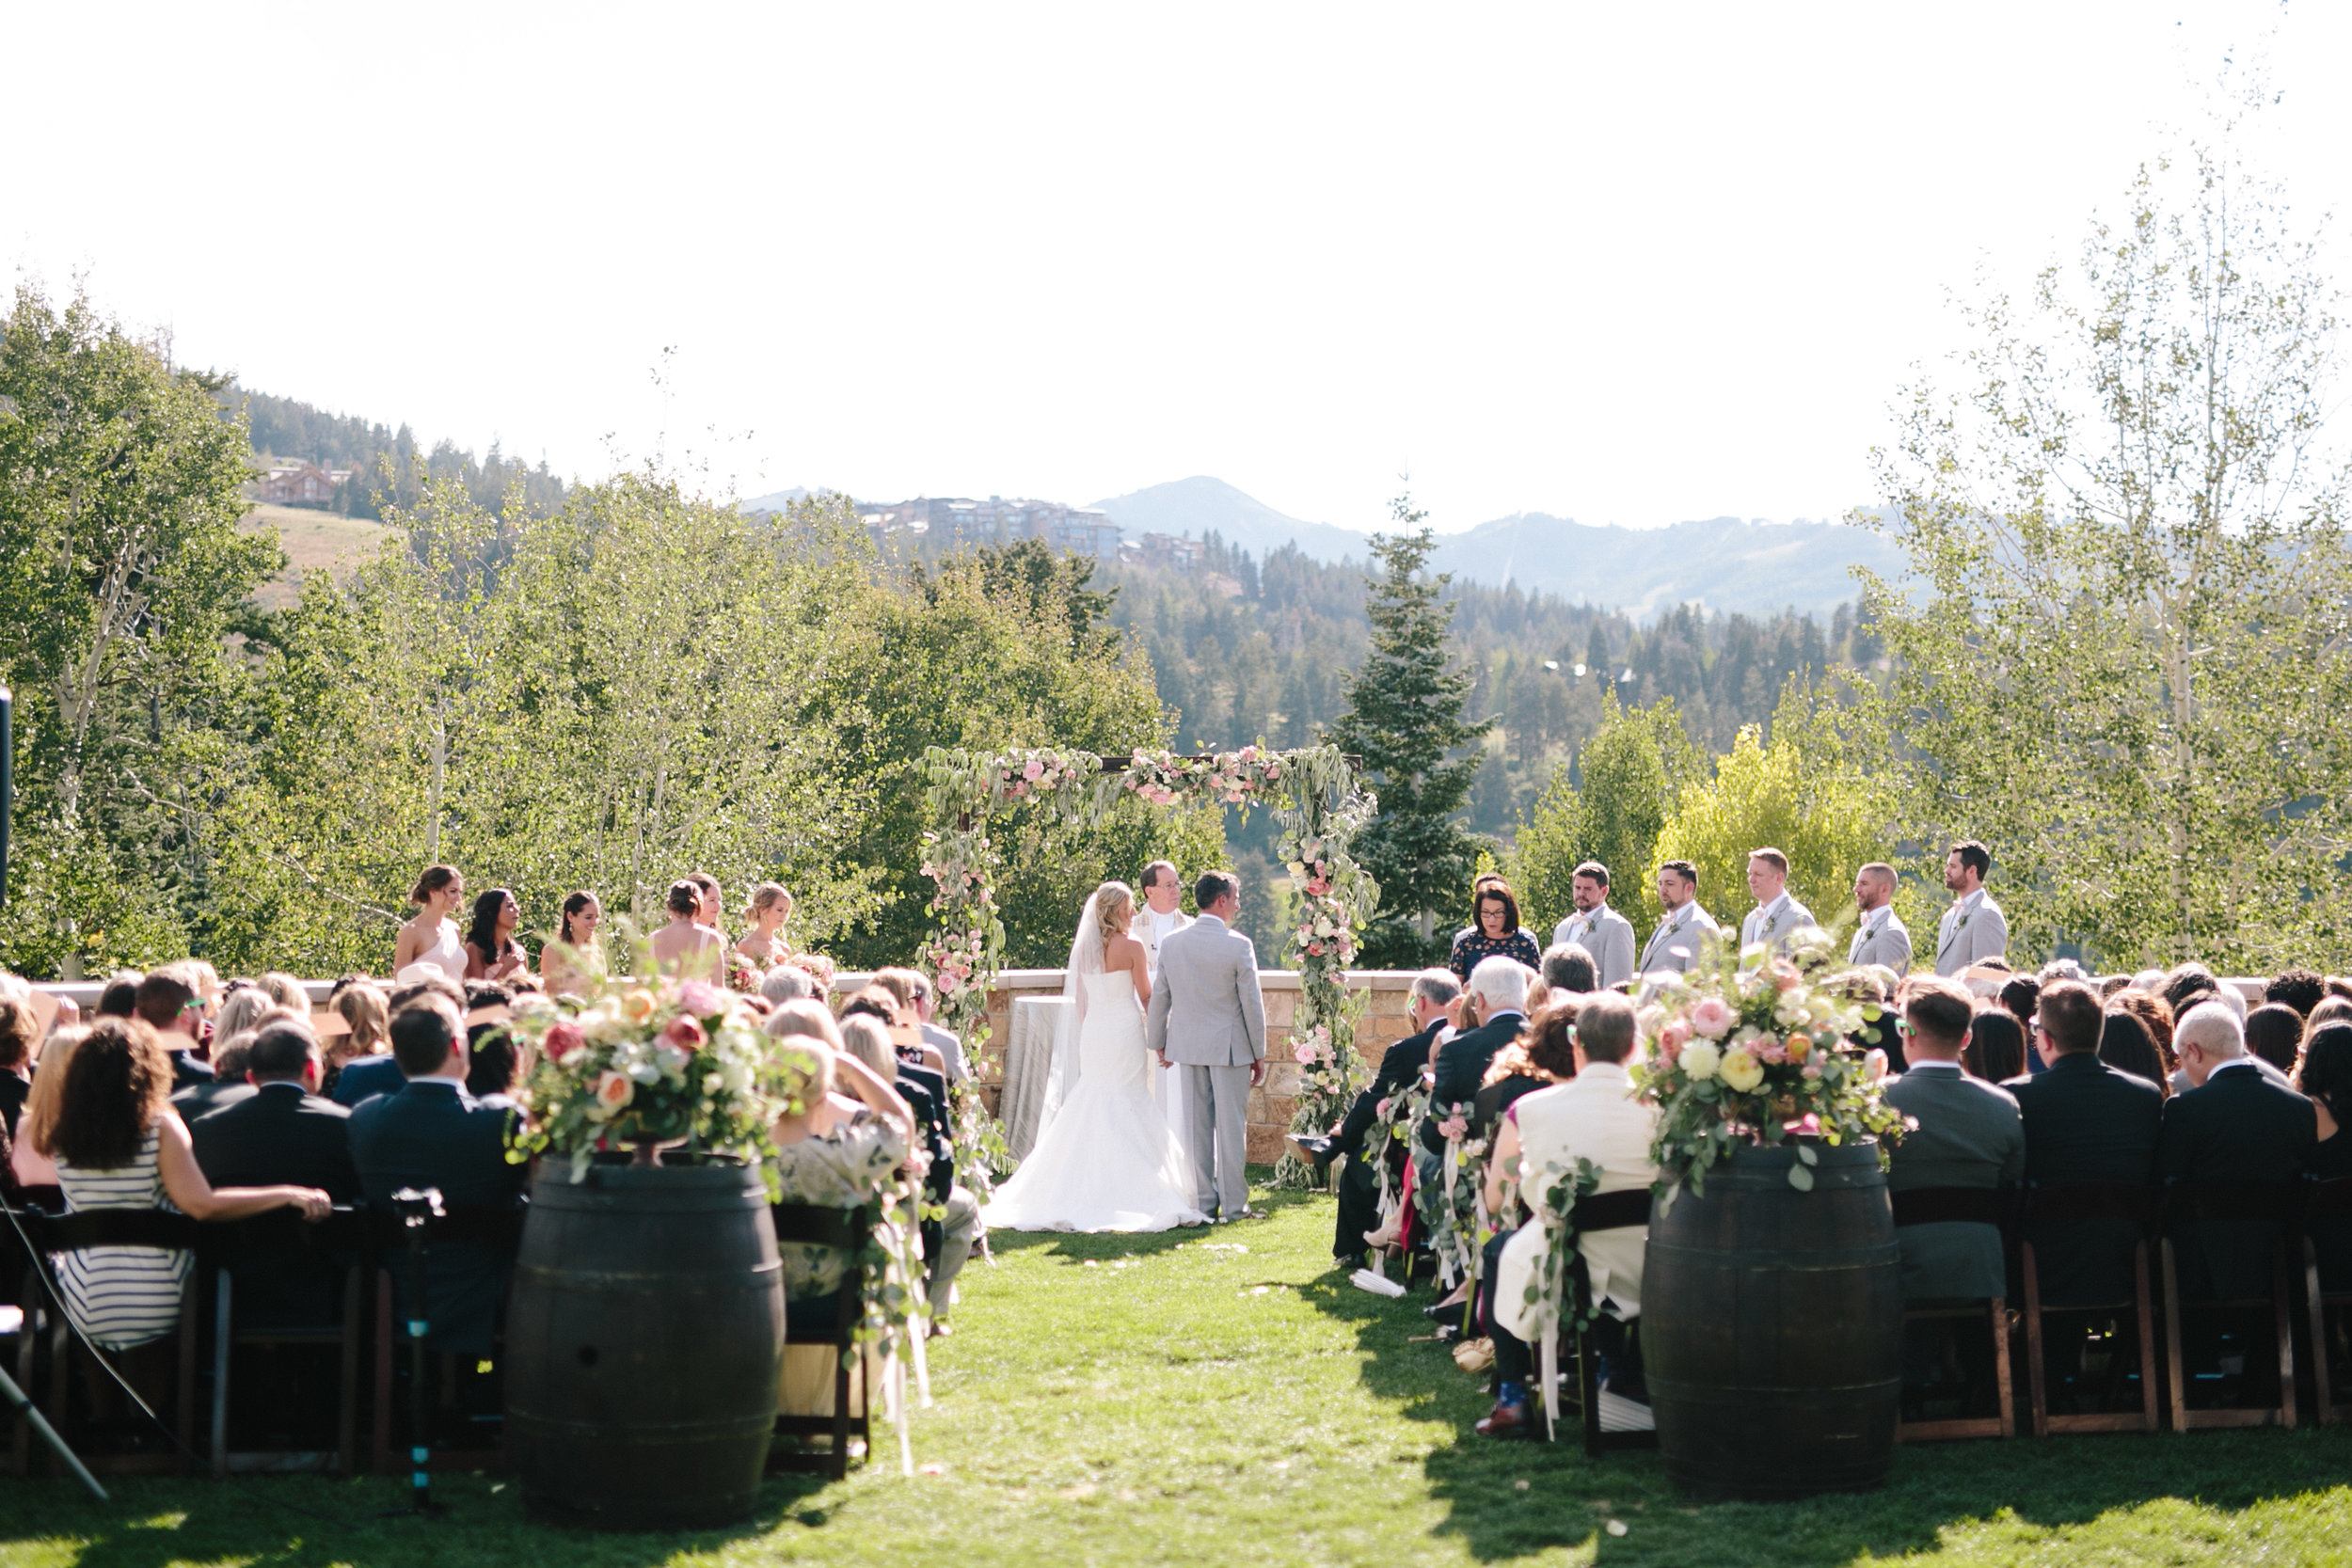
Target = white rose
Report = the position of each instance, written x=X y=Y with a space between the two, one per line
x=1699 y=1060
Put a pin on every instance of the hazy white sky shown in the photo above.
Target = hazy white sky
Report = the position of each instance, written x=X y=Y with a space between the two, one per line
x=1622 y=264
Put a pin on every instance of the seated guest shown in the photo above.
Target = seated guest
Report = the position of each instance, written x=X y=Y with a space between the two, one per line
x=2326 y=1075
x=1400 y=1067
x=2240 y=1124
x=2125 y=1045
x=242 y=1008
x=832 y=1158
x=1995 y=1048
x=1591 y=1116
x=2085 y=1123
x=281 y=1131
x=169 y=1002
x=430 y=1134
x=366 y=1018
x=2018 y=996
x=784 y=984
x=20 y=1032
x=880 y=1001
x=1569 y=969
x=865 y=1039
x=227 y=1086
x=1492 y=1009
x=920 y=1003
x=2300 y=989
x=1541 y=1057
x=2185 y=984
x=2274 y=1034
x=120 y=999
x=1964 y=1132
x=28 y=1161
x=365 y=1076
x=117 y=1144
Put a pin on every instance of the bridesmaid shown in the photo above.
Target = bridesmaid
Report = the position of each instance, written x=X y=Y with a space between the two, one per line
x=763 y=945
x=573 y=964
x=491 y=951
x=432 y=937
x=686 y=947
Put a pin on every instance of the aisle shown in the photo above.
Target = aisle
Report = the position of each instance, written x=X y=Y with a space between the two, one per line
x=1219 y=1397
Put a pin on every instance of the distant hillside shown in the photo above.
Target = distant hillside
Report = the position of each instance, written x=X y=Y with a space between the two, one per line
x=1725 y=564
x=388 y=466
x=776 y=500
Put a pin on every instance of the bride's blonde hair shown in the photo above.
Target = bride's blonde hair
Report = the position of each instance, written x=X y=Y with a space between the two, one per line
x=1114 y=909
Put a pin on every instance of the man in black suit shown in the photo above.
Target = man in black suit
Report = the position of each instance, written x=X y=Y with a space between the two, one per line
x=2237 y=1123
x=171 y=1002
x=2085 y=1123
x=1400 y=1067
x=1497 y=987
x=433 y=1133
x=277 y=1129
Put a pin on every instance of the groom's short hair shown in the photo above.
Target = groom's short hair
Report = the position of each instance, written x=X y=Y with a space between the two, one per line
x=1151 y=874
x=1212 y=886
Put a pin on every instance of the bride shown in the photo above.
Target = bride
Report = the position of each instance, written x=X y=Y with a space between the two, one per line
x=1105 y=1159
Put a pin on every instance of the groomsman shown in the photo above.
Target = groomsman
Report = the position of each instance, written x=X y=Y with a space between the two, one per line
x=1882 y=937
x=1776 y=916
x=1600 y=931
x=1684 y=929
x=1974 y=928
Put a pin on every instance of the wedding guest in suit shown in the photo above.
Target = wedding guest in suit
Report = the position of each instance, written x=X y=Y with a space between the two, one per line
x=2241 y=1124
x=1497 y=992
x=1996 y=1050
x=1497 y=932
x=120 y=997
x=1591 y=1116
x=1965 y=1133
x=1400 y=1067
x=169 y=1002
x=2125 y=1045
x=1684 y=929
x=913 y=988
x=2326 y=1075
x=2274 y=1033
x=2300 y=989
x=2086 y=1122
x=1600 y=931
x=366 y=1076
x=1880 y=938
x=1569 y=969
x=1973 y=929
x=432 y=1133
x=1777 y=916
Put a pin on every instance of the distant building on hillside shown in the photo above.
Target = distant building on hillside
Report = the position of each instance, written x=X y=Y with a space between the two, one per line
x=302 y=485
x=995 y=521
x=1164 y=549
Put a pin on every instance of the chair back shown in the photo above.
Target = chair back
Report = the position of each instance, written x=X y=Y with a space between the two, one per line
x=99 y=1227
x=2205 y=1202
x=1954 y=1206
x=2092 y=1200
x=814 y=1225
x=2329 y=1200
x=475 y=1226
x=1625 y=1211
x=284 y=1230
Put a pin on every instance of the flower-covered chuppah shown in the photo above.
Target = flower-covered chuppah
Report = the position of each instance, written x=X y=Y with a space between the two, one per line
x=1318 y=798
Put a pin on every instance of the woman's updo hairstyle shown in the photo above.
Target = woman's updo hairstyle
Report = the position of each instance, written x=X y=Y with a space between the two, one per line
x=432 y=880
x=684 y=898
x=766 y=895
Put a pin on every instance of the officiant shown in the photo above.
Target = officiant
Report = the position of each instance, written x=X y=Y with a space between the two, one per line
x=1161 y=919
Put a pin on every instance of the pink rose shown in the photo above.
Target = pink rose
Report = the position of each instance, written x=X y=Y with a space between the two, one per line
x=1034 y=769
x=1315 y=948
x=561 y=1039
x=1768 y=1050
x=1303 y=1053
x=1813 y=1070
x=1675 y=1037
x=1018 y=790
x=685 y=1032
x=1318 y=887
x=614 y=1091
x=701 y=999
x=1711 y=1017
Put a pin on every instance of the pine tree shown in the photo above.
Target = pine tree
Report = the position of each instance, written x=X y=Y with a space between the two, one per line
x=1404 y=719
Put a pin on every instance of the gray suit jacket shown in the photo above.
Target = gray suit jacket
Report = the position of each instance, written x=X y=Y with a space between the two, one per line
x=1890 y=945
x=1206 y=1008
x=1969 y=1135
x=1793 y=917
x=1984 y=934
x=1608 y=936
x=1678 y=941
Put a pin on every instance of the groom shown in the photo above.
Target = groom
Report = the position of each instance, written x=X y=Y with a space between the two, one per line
x=1208 y=1020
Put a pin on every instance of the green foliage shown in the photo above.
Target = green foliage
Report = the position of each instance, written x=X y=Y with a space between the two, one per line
x=1404 y=720
x=1819 y=791
x=1631 y=770
x=2124 y=652
x=389 y=469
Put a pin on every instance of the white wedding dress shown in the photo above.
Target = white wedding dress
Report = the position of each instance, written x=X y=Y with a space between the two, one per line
x=1106 y=1160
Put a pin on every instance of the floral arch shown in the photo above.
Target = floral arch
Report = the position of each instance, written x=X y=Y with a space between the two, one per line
x=1317 y=797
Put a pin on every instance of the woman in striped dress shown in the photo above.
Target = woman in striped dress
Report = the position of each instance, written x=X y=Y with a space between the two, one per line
x=119 y=1144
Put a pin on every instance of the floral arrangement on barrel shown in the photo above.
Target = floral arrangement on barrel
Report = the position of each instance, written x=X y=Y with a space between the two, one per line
x=1756 y=1049
x=641 y=1067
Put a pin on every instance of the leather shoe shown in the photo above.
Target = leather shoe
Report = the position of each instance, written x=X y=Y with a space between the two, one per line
x=1507 y=1420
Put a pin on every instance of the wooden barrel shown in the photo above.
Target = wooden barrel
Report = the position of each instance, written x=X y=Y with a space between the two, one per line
x=1772 y=1327
x=645 y=1337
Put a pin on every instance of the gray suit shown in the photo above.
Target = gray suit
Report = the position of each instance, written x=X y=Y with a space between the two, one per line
x=1890 y=945
x=1969 y=1135
x=1967 y=936
x=1786 y=922
x=1608 y=936
x=1678 y=941
x=1208 y=1019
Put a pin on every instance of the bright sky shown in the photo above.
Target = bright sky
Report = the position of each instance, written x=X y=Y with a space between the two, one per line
x=1624 y=263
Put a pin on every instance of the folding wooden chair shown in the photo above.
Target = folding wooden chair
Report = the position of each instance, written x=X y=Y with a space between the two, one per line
x=387 y=1250
x=2092 y=1200
x=1992 y=1206
x=251 y=1245
x=1625 y=1211
x=53 y=1234
x=2241 y=1203
x=2327 y=1202
x=846 y=1231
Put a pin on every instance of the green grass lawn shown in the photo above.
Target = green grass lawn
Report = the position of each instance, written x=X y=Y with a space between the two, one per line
x=1223 y=1397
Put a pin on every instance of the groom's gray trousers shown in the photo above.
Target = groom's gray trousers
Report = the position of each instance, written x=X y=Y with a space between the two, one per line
x=1217 y=1129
